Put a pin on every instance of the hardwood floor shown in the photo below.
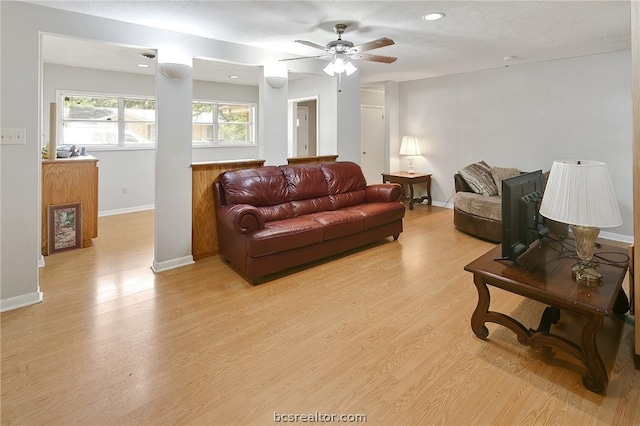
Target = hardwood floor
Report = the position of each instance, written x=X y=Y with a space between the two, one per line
x=383 y=332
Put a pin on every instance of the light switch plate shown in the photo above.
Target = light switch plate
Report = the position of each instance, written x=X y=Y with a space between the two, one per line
x=13 y=136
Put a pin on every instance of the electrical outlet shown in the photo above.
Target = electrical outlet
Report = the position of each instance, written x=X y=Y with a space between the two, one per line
x=13 y=136
x=124 y=189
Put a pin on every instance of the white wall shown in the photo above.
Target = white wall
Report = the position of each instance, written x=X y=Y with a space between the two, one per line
x=326 y=90
x=525 y=116
x=135 y=169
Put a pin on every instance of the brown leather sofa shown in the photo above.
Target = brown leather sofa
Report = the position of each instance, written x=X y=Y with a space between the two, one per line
x=481 y=225
x=273 y=218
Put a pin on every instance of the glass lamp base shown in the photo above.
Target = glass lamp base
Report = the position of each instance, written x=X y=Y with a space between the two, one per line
x=584 y=272
x=586 y=275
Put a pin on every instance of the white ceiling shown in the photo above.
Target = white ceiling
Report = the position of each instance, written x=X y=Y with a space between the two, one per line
x=474 y=35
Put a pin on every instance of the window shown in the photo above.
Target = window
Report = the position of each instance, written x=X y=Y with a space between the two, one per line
x=217 y=123
x=108 y=120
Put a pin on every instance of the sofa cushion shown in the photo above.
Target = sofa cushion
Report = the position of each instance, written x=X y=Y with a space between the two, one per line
x=479 y=205
x=277 y=212
x=343 y=176
x=259 y=187
x=339 y=223
x=305 y=181
x=284 y=235
x=378 y=214
x=346 y=199
x=478 y=176
x=501 y=173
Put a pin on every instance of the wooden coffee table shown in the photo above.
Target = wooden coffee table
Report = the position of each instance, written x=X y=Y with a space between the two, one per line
x=546 y=278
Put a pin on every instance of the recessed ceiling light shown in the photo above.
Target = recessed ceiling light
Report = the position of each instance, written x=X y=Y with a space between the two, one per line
x=143 y=65
x=433 y=16
x=233 y=76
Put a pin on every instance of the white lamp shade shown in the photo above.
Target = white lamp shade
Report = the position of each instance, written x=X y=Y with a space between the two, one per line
x=410 y=146
x=579 y=192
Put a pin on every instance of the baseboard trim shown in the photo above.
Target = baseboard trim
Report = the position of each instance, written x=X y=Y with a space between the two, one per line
x=441 y=204
x=20 y=301
x=171 y=264
x=616 y=237
x=126 y=210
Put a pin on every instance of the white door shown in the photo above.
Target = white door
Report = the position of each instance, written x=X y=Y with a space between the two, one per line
x=372 y=134
x=303 y=132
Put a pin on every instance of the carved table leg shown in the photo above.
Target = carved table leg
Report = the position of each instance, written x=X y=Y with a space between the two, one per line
x=478 y=317
x=411 y=200
x=595 y=378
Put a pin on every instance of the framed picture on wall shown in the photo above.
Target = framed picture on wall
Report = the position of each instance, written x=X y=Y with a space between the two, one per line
x=65 y=227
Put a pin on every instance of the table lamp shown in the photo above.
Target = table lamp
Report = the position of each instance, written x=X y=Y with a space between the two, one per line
x=580 y=193
x=410 y=147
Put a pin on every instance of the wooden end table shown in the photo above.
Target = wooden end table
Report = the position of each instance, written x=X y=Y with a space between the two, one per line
x=405 y=178
x=546 y=278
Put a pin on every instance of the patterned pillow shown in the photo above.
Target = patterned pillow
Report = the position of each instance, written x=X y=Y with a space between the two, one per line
x=501 y=173
x=478 y=176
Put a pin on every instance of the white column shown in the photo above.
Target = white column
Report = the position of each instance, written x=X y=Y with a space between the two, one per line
x=348 y=118
x=172 y=232
x=272 y=122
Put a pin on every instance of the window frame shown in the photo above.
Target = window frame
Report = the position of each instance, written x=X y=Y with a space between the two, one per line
x=120 y=97
x=215 y=143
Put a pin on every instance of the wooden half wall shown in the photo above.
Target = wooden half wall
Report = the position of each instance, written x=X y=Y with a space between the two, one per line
x=204 y=237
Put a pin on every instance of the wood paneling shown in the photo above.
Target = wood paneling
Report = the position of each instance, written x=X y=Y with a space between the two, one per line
x=71 y=180
x=204 y=238
x=635 y=73
x=314 y=159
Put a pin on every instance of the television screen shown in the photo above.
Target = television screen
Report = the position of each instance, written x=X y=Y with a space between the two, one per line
x=521 y=220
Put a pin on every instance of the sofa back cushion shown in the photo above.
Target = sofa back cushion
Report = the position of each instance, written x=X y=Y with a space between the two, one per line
x=343 y=176
x=307 y=188
x=263 y=187
x=345 y=182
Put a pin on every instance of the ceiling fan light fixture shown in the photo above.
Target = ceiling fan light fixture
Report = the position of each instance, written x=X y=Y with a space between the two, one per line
x=350 y=68
x=433 y=16
x=338 y=66
x=329 y=69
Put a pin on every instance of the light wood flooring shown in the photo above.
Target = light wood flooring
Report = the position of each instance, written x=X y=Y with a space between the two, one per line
x=383 y=332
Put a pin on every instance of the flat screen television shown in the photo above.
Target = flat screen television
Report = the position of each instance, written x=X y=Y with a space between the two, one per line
x=522 y=223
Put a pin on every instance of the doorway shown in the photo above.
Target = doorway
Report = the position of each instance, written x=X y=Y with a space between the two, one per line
x=303 y=127
x=372 y=143
x=302 y=124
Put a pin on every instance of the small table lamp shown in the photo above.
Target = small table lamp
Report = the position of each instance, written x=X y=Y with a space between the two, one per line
x=580 y=194
x=410 y=147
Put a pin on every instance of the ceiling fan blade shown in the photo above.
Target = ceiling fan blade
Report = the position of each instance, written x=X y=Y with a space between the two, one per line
x=306 y=57
x=311 y=44
x=373 y=58
x=374 y=44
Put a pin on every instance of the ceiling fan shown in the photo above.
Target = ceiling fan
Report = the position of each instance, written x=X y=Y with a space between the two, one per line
x=341 y=50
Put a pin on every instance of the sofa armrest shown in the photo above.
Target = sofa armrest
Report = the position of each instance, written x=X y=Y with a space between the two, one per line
x=241 y=218
x=382 y=193
x=461 y=185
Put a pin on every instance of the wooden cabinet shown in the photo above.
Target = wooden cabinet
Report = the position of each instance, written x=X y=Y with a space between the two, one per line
x=71 y=180
x=204 y=237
